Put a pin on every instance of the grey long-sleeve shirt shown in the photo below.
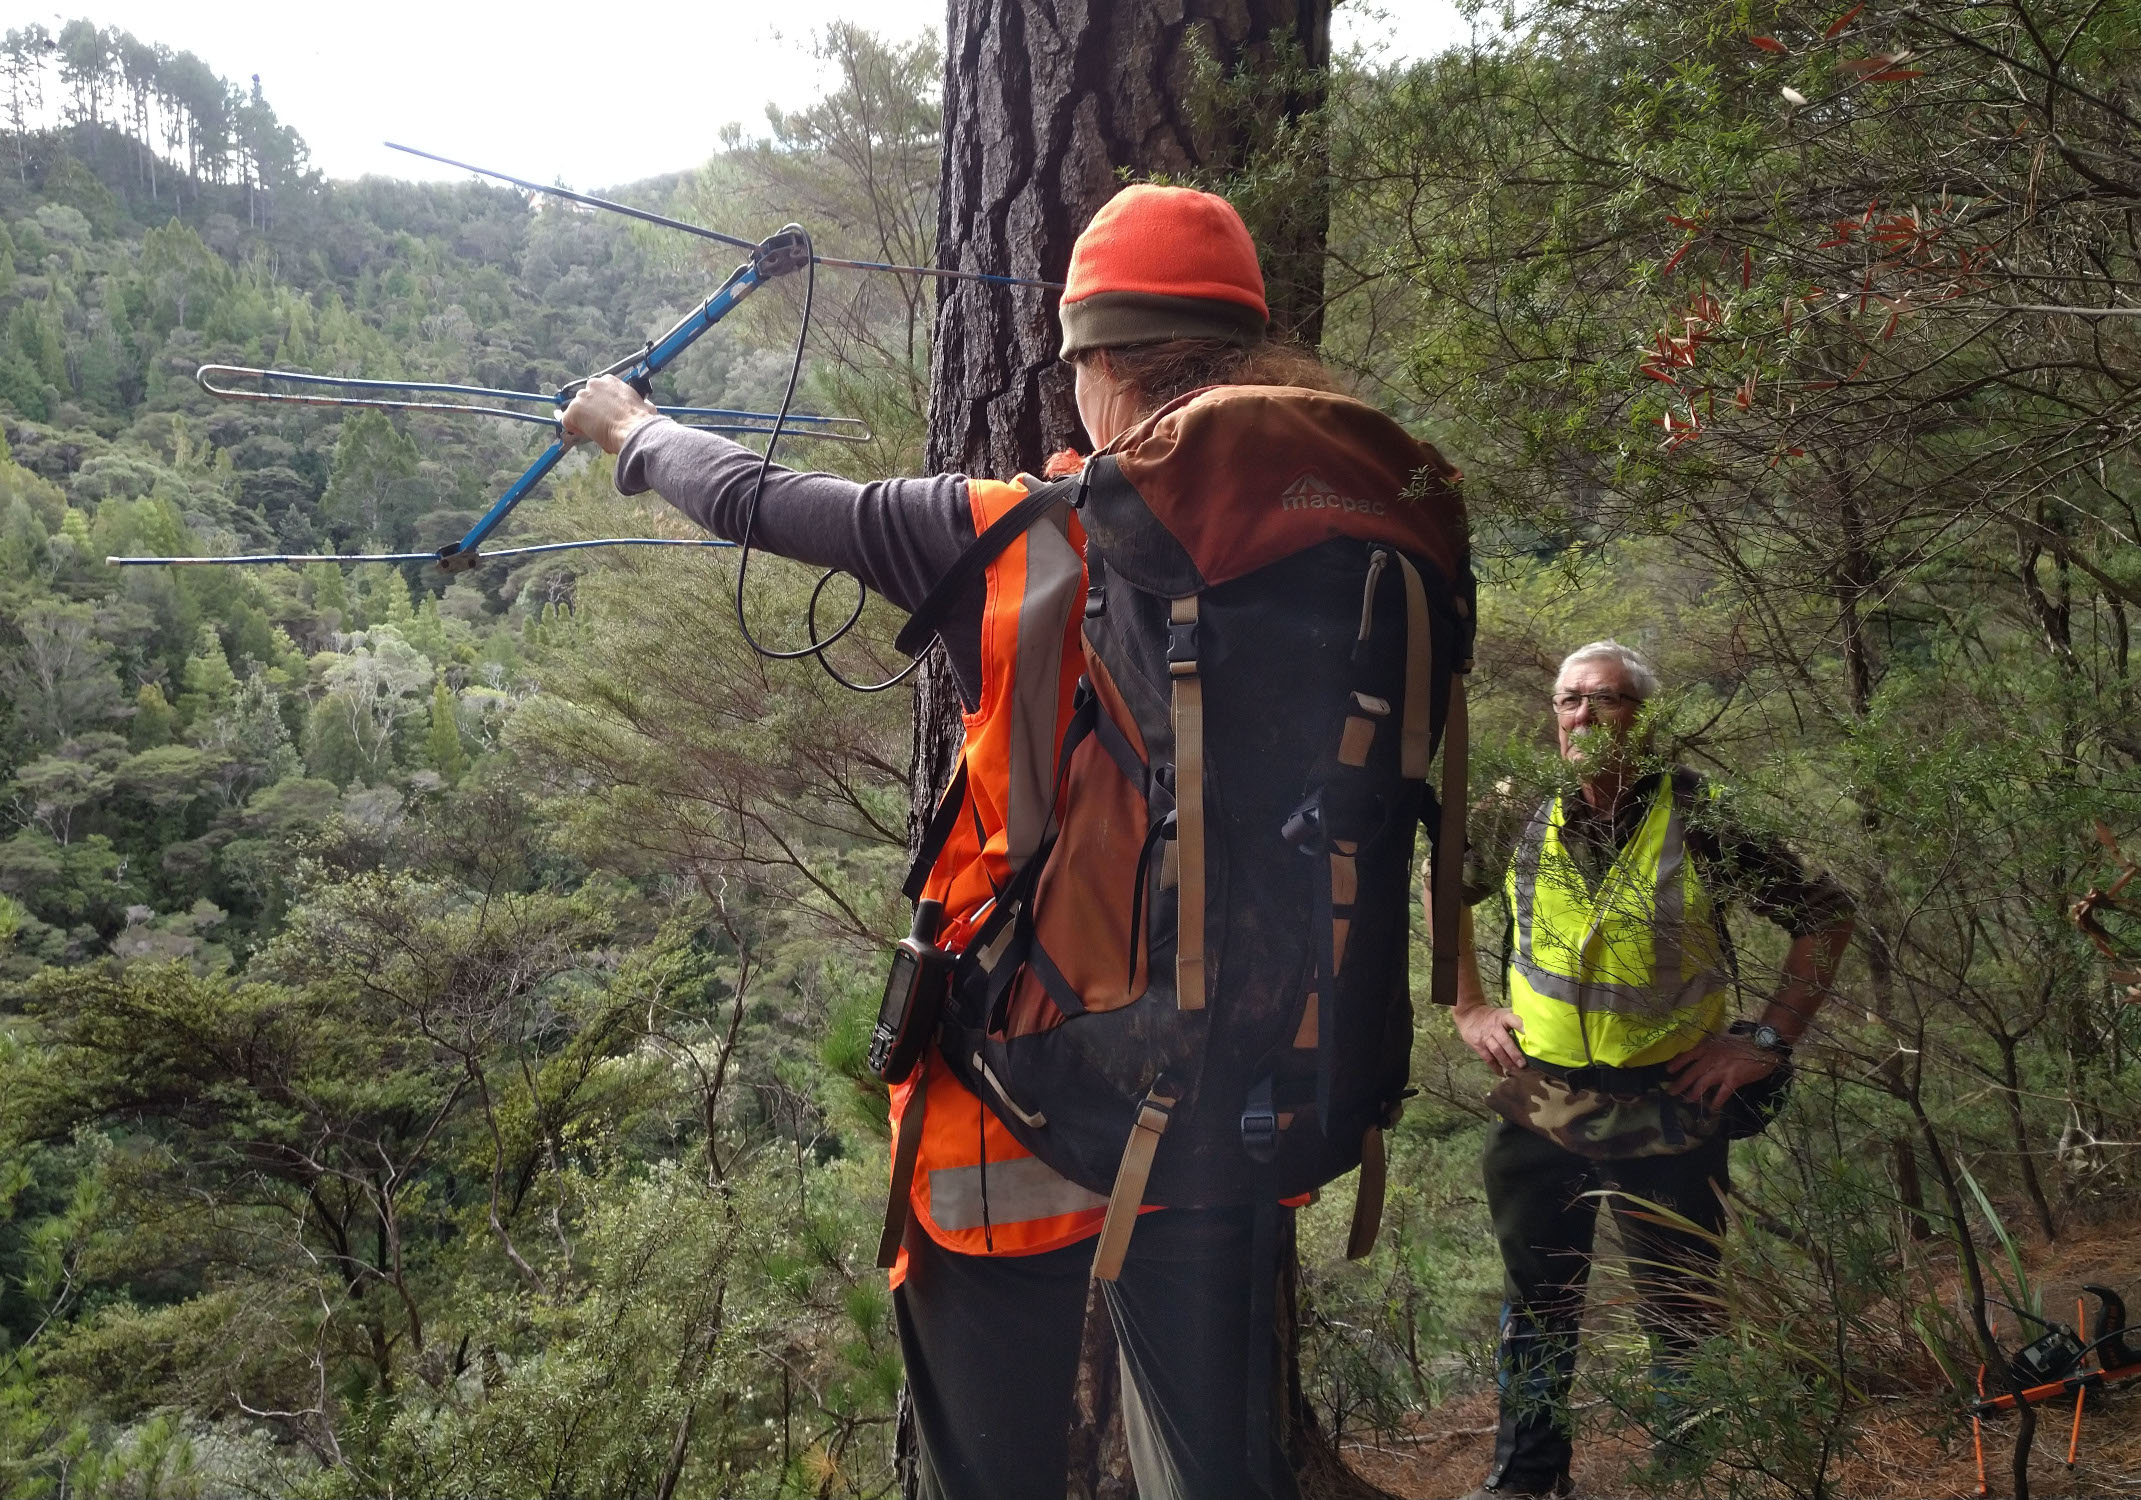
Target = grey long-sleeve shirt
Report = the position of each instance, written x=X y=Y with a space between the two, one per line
x=899 y=536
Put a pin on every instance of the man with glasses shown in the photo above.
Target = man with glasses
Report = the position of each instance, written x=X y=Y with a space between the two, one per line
x=1618 y=1068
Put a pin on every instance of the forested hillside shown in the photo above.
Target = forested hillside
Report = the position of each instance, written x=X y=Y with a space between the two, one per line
x=431 y=1043
x=379 y=1023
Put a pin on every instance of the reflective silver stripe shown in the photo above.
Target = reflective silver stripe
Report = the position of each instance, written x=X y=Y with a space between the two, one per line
x=1053 y=570
x=1669 y=909
x=1020 y=1189
x=1598 y=994
x=1670 y=927
x=1529 y=848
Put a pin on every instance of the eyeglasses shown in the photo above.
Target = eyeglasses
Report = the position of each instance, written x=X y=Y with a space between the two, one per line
x=1604 y=701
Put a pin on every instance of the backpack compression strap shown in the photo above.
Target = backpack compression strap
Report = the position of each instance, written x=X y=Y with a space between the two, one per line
x=1131 y=1177
x=1368 y=1192
x=1188 y=713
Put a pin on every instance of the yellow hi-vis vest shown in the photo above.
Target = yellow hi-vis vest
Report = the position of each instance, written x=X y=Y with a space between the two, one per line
x=1627 y=975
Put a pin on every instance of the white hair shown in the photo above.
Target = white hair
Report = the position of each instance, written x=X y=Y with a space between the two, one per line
x=1641 y=678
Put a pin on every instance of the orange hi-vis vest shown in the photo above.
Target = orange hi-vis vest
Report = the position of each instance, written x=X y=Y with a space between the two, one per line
x=976 y=1189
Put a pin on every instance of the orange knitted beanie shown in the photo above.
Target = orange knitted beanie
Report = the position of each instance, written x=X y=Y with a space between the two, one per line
x=1163 y=263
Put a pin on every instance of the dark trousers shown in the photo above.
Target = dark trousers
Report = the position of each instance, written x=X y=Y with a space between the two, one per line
x=1545 y=1227
x=991 y=1344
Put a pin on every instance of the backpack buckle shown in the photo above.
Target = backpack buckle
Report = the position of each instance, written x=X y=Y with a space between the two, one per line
x=1304 y=828
x=1182 y=648
x=1260 y=1122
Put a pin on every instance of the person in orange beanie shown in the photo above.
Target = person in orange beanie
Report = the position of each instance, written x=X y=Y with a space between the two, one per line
x=1003 y=1178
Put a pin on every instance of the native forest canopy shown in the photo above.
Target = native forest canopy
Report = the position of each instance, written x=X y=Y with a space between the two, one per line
x=433 y=1008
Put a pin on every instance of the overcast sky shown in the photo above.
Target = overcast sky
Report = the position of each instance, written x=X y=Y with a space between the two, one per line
x=589 y=93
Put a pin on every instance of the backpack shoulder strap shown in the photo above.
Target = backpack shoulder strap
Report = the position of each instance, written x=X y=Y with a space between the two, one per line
x=936 y=834
x=967 y=569
x=1446 y=879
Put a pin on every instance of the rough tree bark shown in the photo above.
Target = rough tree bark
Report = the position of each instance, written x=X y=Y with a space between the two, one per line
x=1047 y=106
x=1043 y=113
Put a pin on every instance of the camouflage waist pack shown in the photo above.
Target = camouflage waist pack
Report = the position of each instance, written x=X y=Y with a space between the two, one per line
x=1626 y=1113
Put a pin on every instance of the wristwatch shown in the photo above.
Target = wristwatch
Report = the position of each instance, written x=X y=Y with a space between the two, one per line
x=1766 y=1038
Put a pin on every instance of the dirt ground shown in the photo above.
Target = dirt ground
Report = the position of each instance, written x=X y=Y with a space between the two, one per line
x=1898 y=1455
x=1911 y=1446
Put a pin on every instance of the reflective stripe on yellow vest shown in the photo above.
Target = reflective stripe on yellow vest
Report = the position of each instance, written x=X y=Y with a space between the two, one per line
x=1625 y=976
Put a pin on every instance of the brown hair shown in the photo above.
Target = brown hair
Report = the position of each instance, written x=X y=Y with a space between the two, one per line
x=1157 y=373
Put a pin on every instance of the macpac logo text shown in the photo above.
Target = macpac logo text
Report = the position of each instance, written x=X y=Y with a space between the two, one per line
x=1312 y=492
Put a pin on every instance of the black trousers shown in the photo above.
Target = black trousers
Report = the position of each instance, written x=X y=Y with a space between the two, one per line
x=1545 y=1227
x=991 y=1344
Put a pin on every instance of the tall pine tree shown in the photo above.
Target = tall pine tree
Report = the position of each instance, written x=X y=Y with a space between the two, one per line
x=1045 y=112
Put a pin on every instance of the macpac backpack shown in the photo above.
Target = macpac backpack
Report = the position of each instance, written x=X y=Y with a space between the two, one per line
x=1195 y=992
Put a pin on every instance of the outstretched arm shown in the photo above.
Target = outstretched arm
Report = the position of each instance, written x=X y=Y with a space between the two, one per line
x=898 y=536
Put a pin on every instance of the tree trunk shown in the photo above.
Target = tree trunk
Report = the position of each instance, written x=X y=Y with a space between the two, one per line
x=1909 y=1189
x=1099 y=1449
x=1041 y=115
x=2018 y=1126
x=1045 y=109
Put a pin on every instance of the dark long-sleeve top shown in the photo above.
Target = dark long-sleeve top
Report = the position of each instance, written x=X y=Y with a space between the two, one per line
x=898 y=536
